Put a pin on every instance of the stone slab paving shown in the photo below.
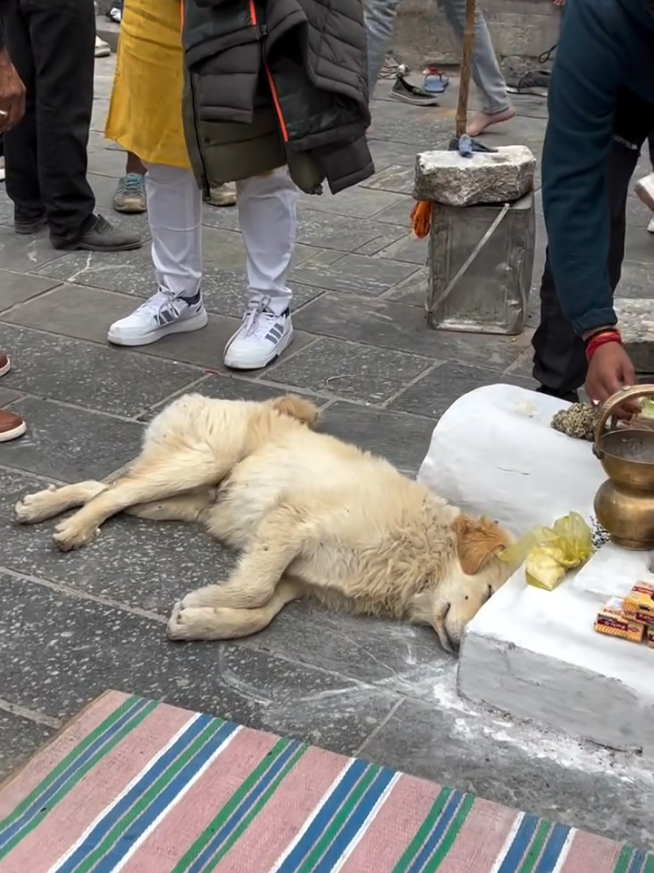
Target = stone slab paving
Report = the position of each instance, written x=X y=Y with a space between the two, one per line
x=73 y=625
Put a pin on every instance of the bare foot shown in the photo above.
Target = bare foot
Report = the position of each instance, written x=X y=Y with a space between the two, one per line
x=481 y=121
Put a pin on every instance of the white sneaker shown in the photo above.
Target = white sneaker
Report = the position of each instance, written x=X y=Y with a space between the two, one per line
x=261 y=338
x=157 y=317
x=650 y=226
x=102 y=48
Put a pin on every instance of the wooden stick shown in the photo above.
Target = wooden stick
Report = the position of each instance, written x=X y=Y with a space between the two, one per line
x=466 y=64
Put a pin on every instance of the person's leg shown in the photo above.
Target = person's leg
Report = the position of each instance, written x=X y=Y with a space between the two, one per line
x=379 y=19
x=267 y=218
x=495 y=104
x=559 y=359
x=174 y=206
x=20 y=142
x=130 y=195
x=62 y=36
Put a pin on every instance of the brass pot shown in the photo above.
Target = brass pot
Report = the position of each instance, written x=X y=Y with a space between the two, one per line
x=624 y=504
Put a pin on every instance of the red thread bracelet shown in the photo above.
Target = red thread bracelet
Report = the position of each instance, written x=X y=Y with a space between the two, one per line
x=601 y=339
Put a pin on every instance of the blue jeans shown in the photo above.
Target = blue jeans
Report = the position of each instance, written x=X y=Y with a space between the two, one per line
x=380 y=17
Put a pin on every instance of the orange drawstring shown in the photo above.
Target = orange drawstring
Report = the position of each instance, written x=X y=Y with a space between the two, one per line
x=421 y=219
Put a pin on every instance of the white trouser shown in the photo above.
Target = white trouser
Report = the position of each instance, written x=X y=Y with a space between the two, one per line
x=267 y=218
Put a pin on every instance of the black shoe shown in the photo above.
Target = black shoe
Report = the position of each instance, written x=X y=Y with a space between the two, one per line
x=25 y=222
x=568 y=396
x=104 y=237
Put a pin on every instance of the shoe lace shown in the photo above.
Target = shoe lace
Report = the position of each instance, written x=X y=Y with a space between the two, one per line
x=132 y=183
x=258 y=318
x=162 y=300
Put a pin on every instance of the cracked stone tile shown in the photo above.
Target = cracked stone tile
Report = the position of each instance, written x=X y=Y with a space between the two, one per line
x=390 y=325
x=437 y=391
x=116 y=381
x=69 y=444
x=348 y=370
x=26 y=253
x=19 y=287
x=402 y=439
x=497 y=759
x=343 y=232
x=60 y=652
x=354 y=274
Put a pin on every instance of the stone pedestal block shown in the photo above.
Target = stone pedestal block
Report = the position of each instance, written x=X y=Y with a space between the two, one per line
x=492 y=296
x=494 y=177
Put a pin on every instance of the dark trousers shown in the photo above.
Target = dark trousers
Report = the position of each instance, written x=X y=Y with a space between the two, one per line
x=559 y=359
x=52 y=46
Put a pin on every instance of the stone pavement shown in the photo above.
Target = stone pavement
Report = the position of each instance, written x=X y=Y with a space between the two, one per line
x=72 y=625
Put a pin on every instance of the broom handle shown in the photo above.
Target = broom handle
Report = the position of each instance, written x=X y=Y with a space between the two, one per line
x=464 y=85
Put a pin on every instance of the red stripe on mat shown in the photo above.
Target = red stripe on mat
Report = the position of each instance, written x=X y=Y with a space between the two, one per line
x=185 y=822
x=16 y=790
x=71 y=816
x=480 y=840
x=278 y=823
x=384 y=843
x=591 y=854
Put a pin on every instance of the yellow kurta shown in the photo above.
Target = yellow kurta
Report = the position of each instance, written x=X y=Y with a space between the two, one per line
x=145 y=111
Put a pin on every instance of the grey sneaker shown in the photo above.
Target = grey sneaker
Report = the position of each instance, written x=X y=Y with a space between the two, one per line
x=104 y=237
x=130 y=195
x=221 y=195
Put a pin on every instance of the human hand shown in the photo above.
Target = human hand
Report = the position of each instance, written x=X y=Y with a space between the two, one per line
x=12 y=94
x=609 y=371
x=558 y=2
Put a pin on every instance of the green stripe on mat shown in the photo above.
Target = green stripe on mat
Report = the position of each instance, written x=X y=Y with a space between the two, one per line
x=68 y=761
x=334 y=825
x=234 y=802
x=417 y=842
x=624 y=860
x=450 y=836
x=536 y=847
x=649 y=864
x=122 y=826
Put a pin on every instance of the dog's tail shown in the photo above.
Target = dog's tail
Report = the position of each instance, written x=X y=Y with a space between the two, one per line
x=296 y=407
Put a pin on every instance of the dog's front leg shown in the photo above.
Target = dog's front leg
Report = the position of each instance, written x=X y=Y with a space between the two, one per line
x=153 y=477
x=277 y=542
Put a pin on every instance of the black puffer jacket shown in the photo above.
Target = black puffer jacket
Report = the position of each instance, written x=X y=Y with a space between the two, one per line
x=274 y=82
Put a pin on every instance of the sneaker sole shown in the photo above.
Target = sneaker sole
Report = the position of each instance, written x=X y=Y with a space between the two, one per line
x=130 y=209
x=197 y=322
x=283 y=344
x=4 y=370
x=414 y=101
x=86 y=247
x=13 y=434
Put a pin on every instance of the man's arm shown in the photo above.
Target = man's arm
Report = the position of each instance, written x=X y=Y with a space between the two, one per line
x=582 y=96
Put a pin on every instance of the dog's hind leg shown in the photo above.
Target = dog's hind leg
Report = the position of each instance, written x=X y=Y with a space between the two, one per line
x=224 y=623
x=52 y=501
x=184 y=507
x=154 y=476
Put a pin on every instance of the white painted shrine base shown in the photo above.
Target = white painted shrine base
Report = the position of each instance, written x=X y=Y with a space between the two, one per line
x=533 y=653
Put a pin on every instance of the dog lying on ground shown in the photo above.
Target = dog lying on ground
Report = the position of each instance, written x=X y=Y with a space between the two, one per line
x=313 y=517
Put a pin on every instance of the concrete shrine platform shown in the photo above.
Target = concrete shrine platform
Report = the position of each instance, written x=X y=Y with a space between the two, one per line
x=531 y=653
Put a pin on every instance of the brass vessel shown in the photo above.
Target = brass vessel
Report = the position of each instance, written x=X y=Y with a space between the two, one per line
x=624 y=504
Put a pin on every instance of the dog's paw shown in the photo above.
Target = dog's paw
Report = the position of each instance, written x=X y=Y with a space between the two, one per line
x=180 y=625
x=35 y=507
x=69 y=536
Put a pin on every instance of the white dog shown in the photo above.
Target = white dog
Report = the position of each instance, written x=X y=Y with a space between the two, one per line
x=313 y=516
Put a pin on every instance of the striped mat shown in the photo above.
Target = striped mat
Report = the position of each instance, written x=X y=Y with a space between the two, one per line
x=143 y=787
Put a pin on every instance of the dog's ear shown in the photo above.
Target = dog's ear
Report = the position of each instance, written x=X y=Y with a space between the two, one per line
x=477 y=541
x=296 y=407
